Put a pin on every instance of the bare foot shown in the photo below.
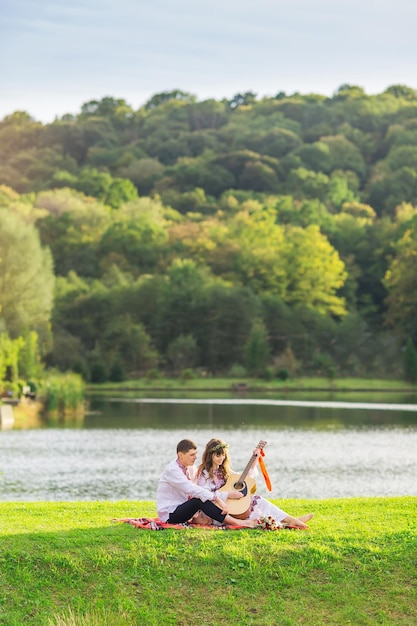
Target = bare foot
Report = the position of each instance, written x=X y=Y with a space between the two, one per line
x=306 y=518
x=249 y=523
x=294 y=522
x=201 y=519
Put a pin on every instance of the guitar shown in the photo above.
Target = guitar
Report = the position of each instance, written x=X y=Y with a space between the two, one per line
x=246 y=485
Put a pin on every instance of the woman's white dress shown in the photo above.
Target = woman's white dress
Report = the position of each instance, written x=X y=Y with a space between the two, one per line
x=260 y=507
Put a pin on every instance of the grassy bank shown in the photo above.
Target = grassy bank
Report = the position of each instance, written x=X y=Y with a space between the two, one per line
x=256 y=384
x=67 y=564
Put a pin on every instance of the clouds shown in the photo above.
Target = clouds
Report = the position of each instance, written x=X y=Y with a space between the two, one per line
x=57 y=55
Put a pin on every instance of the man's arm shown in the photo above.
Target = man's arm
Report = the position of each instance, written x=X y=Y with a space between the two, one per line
x=178 y=481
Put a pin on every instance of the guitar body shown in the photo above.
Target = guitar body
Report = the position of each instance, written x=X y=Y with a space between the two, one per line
x=239 y=508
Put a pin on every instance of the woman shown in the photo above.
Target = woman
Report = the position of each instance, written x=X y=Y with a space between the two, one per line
x=213 y=473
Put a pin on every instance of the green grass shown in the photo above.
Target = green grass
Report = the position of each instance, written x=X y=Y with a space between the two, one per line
x=62 y=393
x=256 y=384
x=65 y=564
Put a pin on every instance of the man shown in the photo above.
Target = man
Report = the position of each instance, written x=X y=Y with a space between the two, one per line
x=178 y=498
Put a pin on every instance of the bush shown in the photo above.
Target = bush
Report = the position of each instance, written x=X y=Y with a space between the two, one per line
x=237 y=371
x=324 y=365
x=268 y=373
x=62 y=393
x=187 y=374
x=153 y=374
x=283 y=374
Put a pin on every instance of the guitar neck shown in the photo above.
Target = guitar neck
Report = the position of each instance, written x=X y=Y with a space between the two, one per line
x=245 y=472
x=247 y=468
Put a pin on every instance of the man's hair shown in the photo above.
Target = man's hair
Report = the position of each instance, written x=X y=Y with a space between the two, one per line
x=185 y=445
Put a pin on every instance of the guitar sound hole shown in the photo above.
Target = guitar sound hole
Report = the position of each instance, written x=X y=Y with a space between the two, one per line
x=238 y=486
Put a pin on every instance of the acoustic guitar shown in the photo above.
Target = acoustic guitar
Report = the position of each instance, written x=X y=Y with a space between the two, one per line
x=246 y=485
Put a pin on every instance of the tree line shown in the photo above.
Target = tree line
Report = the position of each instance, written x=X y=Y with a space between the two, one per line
x=275 y=234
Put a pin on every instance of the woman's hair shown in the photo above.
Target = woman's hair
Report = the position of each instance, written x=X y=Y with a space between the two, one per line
x=213 y=446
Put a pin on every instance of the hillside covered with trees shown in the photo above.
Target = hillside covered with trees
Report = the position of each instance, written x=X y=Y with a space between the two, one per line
x=273 y=234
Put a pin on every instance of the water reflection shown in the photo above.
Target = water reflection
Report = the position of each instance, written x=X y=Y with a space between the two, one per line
x=166 y=413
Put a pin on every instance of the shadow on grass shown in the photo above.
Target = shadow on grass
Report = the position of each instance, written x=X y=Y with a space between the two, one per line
x=138 y=575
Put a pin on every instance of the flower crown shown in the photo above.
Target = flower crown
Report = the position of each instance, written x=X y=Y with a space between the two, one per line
x=218 y=447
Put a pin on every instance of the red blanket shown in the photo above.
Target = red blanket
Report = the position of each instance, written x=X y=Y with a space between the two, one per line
x=154 y=523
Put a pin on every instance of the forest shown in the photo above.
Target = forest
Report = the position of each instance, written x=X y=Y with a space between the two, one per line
x=272 y=236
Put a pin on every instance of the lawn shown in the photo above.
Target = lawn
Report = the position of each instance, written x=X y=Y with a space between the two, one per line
x=257 y=384
x=68 y=564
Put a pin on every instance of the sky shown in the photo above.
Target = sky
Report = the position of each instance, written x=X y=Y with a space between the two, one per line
x=55 y=55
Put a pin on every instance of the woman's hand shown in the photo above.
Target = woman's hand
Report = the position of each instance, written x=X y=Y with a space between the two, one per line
x=235 y=495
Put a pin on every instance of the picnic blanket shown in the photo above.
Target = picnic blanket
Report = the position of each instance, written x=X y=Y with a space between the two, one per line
x=154 y=523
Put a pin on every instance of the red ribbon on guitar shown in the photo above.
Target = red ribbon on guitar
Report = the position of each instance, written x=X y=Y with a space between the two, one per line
x=264 y=470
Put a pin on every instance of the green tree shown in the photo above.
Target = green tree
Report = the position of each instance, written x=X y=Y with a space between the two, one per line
x=72 y=228
x=92 y=182
x=207 y=114
x=304 y=213
x=402 y=156
x=194 y=201
x=259 y=177
x=120 y=190
x=402 y=91
x=315 y=156
x=347 y=92
x=339 y=192
x=400 y=186
x=344 y=155
x=235 y=162
x=30 y=365
x=315 y=271
x=280 y=321
x=126 y=342
x=208 y=175
x=9 y=357
x=303 y=183
x=143 y=173
x=26 y=276
x=118 y=111
x=229 y=313
x=166 y=96
x=401 y=282
x=67 y=352
x=134 y=239
x=242 y=99
x=410 y=362
x=276 y=142
x=181 y=303
x=93 y=131
x=182 y=352
x=18 y=130
x=257 y=350
x=251 y=250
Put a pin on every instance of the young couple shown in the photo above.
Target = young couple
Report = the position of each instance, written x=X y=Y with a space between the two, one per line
x=186 y=493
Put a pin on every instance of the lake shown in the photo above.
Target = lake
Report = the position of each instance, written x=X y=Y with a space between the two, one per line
x=317 y=448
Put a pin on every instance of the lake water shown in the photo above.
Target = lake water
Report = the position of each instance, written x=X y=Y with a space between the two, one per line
x=316 y=448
